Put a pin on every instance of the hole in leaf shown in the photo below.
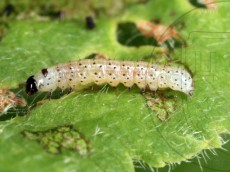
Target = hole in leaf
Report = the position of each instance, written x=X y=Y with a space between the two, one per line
x=197 y=3
x=129 y=35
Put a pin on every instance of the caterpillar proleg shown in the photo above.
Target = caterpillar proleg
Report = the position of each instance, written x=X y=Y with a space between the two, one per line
x=99 y=71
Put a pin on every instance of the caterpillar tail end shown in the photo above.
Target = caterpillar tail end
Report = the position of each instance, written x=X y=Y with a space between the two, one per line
x=31 y=87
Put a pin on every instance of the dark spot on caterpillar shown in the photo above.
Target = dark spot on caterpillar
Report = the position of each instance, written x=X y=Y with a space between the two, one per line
x=45 y=72
x=85 y=66
x=94 y=63
x=162 y=77
x=49 y=78
x=80 y=64
x=138 y=65
x=70 y=79
x=175 y=79
x=110 y=74
x=100 y=66
x=47 y=84
x=84 y=77
x=123 y=65
x=99 y=77
x=109 y=63
x=59 y=81
x=90 y=22
x=114 y=67
x=95 y=73
x=123 y=74
x=114 y=78
x=127 y=67
x=8 y=10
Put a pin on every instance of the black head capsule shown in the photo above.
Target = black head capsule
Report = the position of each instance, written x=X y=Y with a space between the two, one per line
x=90 y=22
x=31 y=87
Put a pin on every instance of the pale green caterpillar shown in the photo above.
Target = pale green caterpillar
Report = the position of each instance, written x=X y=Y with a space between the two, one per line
x=99 y=71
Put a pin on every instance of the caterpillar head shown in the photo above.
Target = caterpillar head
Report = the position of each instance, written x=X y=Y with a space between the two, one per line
x=44 y=81
x=31 y=86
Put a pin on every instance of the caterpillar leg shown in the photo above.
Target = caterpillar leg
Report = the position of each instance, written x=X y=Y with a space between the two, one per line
x=143 y=91
x=154 y=93
x=50 y=95
x=70 y=90
x=61 y=92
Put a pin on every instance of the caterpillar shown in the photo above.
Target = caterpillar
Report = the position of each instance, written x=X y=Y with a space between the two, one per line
x=99 y=71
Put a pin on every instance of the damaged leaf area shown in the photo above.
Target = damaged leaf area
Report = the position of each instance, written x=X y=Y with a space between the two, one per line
x=9 y=100
x=164 y=107
x=59 y=139
x=101 y=127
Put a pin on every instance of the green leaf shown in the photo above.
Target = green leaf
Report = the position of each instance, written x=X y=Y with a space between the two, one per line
x=118 y=123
